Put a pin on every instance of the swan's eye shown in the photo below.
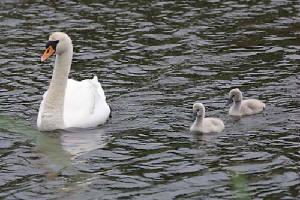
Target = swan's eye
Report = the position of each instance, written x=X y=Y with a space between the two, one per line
x=52 y=44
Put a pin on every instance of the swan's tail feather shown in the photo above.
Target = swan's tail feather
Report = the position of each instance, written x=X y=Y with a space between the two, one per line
x=98 y=86
x=95 y=79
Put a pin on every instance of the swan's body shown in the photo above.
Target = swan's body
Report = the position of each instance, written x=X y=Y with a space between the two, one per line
x=69 y=103
x=242 y=107
x=205 y=125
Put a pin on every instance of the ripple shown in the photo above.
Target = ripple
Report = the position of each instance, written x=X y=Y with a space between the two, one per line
x=154 y=60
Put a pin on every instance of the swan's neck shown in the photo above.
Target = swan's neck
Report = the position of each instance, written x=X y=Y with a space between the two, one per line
x=237 y=105
x=199 y=120
x=60 y=74
x=54 y=102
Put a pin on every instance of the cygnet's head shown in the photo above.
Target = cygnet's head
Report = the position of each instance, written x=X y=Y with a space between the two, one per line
x=58 y=43
x=235 y=95
x=198 y=110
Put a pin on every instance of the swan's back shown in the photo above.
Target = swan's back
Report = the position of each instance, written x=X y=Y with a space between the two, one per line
x=212 y=125
x=208 y=125
x=85 y=104
x=248 y=107
x=252 y=106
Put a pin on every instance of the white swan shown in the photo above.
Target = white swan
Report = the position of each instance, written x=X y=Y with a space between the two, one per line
x=242 y=107
x=69 y=103
x=205 y=125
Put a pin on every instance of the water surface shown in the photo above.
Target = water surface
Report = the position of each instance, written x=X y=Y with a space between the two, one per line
x=154 y=60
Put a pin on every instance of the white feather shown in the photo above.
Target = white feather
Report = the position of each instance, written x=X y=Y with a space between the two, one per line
x=205 y=124
x=242 y=107
x=69 y=103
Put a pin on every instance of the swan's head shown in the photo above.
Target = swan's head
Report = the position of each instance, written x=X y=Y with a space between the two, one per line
x=235 y=95
x=198 y=110
x=58 y=43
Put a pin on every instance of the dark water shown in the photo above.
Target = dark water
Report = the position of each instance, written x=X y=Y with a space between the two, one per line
x=154 y=60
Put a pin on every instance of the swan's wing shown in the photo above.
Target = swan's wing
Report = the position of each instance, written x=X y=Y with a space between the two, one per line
x=213 y=124
x=252 y=106
x=41 y=109
x=98 y=87
x=85 y=103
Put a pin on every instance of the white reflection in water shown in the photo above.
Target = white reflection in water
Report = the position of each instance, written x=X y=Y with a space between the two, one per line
x=80 y=141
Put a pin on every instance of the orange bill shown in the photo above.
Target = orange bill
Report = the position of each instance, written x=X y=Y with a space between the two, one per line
x=48 y=52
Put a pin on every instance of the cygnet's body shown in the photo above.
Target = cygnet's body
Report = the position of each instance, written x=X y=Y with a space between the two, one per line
x=205 y=125
x=242 y=107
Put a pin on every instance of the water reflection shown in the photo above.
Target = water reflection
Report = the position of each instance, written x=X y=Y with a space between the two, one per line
x=201 y=140
x=80 y=141
x=58 y=147
x=154 y=60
